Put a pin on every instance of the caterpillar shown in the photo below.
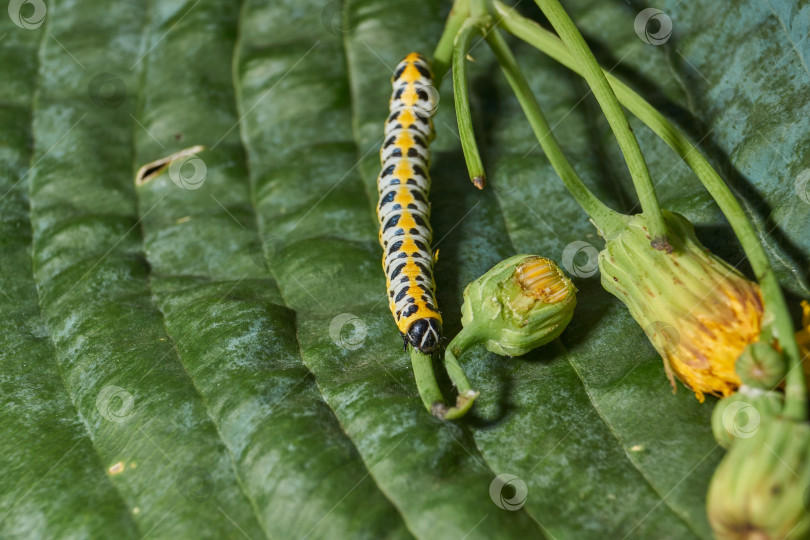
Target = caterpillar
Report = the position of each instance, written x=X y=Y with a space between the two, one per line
x=404 y=210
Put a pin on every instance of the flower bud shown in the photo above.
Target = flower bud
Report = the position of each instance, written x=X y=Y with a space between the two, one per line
x=761 y=366
x=709 y=310
x=739 y=415
x=759 y=490
x=521 y=303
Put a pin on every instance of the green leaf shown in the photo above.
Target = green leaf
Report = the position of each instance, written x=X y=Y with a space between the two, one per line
x=233 y=332
x=153 y=435
x=207 y=351
x=51 y=450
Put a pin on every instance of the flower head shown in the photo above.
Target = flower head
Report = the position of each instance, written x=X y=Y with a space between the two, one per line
x=698 y=312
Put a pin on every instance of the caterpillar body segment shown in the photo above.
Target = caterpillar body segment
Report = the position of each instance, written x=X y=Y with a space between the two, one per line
x=404 y=209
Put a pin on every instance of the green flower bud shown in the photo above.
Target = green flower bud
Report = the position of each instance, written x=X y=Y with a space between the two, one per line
x=739 y=415
x=521 y=303
x=697 y=311
x=761 y=366
x=759 y=489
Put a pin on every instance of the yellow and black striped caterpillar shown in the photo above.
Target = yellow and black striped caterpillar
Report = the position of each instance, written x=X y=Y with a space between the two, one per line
x=404 y=210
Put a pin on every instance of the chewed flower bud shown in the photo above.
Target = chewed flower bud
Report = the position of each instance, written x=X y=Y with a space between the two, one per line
x=521 y=303
x=759 y=489
x=710 y=311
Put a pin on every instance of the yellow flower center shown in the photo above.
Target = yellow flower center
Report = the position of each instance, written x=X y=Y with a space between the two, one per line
x=540 y=278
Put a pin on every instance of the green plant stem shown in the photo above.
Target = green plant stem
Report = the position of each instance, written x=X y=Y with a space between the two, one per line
x=443 y=54
x=478 y=8
x=603 y=93
x=429 y=390
x=425 y=379
x=462 y=100
x=606 y=220
x=775 y=305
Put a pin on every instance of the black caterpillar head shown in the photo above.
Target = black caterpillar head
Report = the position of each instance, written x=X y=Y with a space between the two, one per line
x=425 y=334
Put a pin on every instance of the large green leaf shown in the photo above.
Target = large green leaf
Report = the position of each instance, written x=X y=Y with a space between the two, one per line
x=50 y=453
x=213 y=356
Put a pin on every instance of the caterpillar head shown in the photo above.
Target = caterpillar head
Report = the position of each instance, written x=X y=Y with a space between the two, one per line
x=424 y=334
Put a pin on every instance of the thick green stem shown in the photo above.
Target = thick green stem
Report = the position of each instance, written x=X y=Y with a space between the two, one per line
x=425 y=379
x=775 y=305
x=443 y=54
x=606 y=220
x=478 y=8
x=603 y=93
x=465 y=127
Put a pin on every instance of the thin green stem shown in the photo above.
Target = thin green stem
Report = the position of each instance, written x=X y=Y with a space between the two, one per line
x=775 y=305
x=603 y=93
x=606 y=220
x=429 y=390
x=462 y=99
x=443 y=54
x=466 y=395
x=456 y=373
